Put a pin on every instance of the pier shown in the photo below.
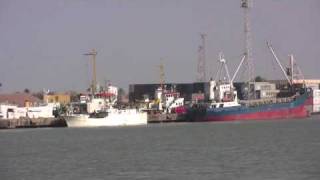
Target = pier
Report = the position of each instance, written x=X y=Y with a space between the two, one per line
x=32 y=123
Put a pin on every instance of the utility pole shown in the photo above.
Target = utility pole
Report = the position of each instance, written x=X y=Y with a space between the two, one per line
x=93 y=54
x=201 y=71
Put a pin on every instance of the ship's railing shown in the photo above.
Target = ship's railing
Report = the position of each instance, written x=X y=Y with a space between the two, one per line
x=257 y=102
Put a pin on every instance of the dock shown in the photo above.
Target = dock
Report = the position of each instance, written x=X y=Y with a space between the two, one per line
x=165 y=118
x=32 y=123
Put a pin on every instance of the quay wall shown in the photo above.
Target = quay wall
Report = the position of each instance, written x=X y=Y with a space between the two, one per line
x=31 y=123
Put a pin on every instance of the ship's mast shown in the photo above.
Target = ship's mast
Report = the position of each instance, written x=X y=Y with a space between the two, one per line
x=93 y=54
x=279 y=63
x=223 y=66
x=247 y=5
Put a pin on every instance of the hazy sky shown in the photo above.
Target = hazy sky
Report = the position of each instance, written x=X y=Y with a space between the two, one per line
x=42 y=41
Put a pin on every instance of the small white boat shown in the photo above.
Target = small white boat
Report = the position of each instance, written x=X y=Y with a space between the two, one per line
x=97 y=113
x=112 y=117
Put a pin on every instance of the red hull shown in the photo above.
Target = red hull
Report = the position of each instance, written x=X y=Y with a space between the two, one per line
x=298 y=112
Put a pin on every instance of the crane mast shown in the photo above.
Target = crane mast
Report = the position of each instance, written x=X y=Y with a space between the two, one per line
x=161 y=69
x=247 y=5
x=201 y=76
x=93 y=54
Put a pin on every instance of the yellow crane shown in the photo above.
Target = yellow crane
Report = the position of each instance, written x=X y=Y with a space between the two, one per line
x=161 y=68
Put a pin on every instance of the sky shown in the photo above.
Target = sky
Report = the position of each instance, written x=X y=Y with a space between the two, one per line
x=42 y=42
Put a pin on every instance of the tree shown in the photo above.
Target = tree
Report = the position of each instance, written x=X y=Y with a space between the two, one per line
x=259 y=79
x=38 y=95
x=74 y=96
x=26 y=90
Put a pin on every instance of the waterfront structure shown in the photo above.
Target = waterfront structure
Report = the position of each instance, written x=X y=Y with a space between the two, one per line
x=8 y=111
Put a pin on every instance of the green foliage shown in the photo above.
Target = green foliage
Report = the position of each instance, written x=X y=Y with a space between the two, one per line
x=26 y=90
x=38 y=95
x=259 y=79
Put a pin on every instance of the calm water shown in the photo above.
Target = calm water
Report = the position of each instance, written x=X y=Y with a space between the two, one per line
x=234 y=150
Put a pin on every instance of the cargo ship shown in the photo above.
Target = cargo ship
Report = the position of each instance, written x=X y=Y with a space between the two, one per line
x=230 y=108
x=224 y=104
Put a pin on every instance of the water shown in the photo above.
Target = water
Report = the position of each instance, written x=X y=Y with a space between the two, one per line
x=233 y=150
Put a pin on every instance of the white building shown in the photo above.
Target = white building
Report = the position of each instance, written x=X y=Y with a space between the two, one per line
x=14 y=112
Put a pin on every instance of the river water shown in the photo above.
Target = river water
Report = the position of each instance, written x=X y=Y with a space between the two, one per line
x=226 y=150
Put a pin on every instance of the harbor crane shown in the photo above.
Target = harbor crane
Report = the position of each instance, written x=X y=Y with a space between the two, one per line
x=93 y=53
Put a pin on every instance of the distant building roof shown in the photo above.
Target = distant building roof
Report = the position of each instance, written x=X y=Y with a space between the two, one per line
x=18 y=99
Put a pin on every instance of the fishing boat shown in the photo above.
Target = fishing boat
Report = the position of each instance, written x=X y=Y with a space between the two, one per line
x=168 y=106
x=107 y=117
x=99 y=108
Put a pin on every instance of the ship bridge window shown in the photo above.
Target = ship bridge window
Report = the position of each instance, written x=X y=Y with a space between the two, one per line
x=221 y=106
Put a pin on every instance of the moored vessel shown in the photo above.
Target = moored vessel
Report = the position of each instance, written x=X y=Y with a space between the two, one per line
x=168 y=106
x=98 y=109
x=99 y=112
x=112 y=117
x=224 y=104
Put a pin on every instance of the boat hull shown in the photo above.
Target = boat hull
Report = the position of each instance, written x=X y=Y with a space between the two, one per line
x=298 y=112
x=293 y=109
x=114 y=119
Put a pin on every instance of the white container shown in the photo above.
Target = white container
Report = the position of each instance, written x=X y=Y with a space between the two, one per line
x=316 y=97
x=316 y=108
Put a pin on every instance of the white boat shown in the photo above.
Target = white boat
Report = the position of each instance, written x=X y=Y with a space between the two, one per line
x=98 y=112
x=112 y=117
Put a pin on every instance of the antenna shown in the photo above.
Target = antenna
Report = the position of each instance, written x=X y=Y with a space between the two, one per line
x=93 y=53
x=201 y=74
